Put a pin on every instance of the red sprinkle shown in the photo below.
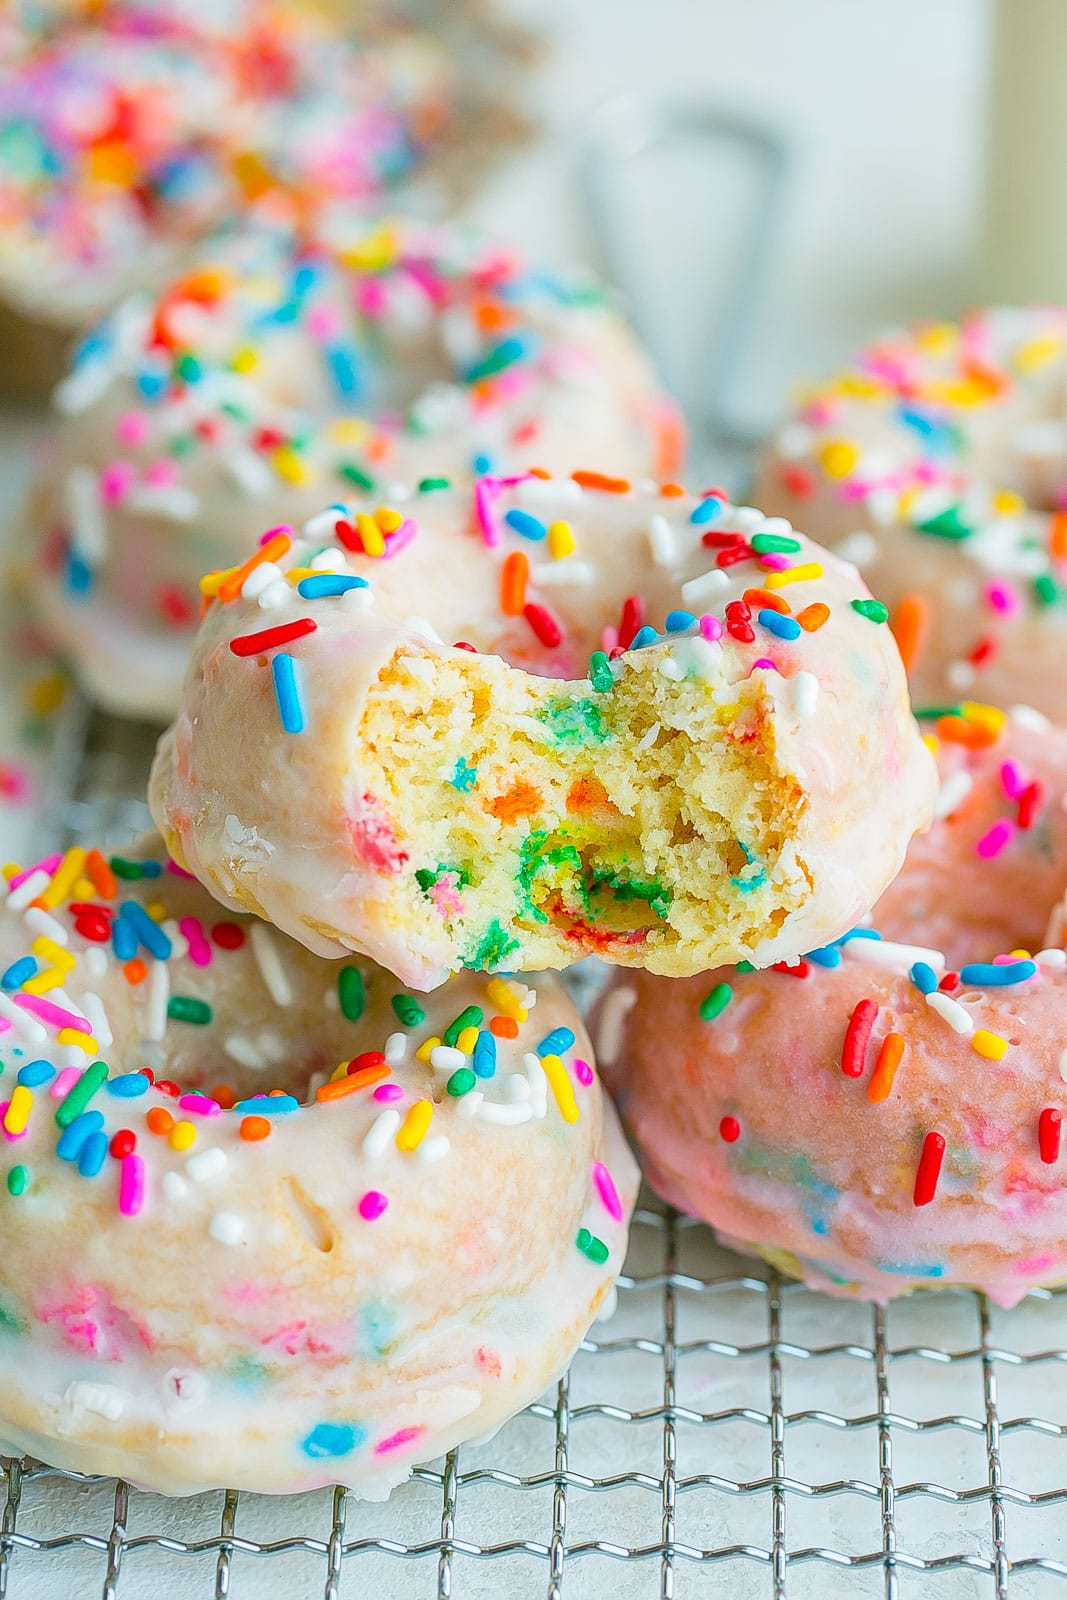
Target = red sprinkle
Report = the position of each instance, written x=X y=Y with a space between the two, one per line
x=94 y=926
x=796 y=969
x=1030 y=803
x=348 y=536
x=252 y=644
x=857 y=1038
x=165 y=1086
x=721 y=539
x=369 y=1058
x=983 y=652
x=462 y=644
x=123 y=1143
x=730 y=1129
x=543 y=624
x=950 y=981
x=736 y=553
x=1049 y=1130
x=799 y=481
x=737 y=622
x=929 y=1170
x=228 y=936
x=633 y=615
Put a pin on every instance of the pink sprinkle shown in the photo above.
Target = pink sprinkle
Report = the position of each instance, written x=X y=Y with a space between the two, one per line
x=324 y=322
x=283 y=527
x=393 y=543
x=53 y=1015
x=710 y=629
x=372 y=1204
x=763 y=664
x=775 y=563
x=371 y=297
x=63 y=1082
x=395 y=1440
x=483 y=510
x=49 y=865
x=178 y=872
x=1012 y=779
x=993 y=842
x=429 y=281
x=115 y=481
x=388 y=1091
x=1003 y=597
x=199 y=948
x=132 y=427
x=605 y=1188
x=131 y=1186
x=5 y=1026
x=162 y=474
x=583 y=1072
x=10 y=1137
x=14 y=782
x=609 y=638
x=201 y=1105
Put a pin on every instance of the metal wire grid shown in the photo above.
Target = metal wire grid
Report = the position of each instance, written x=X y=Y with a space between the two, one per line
x=725 y=1428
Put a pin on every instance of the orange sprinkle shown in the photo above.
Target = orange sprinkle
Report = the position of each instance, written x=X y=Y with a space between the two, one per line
x=224 y=1095
x=513 y=576
x=670 y=439
x=910 y=625
x=135 y=970
x=539 y=472
x=587 y=794
x=812 y=617
x=1057 y=536
x=521 y=800
x=340 y=1087
x=972 y=735
x=159 y=1120
x=889 y=1055
x=601 y=481
x=276 y=546
x=763 y=600
x=503 y=1027
x=255 y=1128
x=671 y=491
x=100 y=875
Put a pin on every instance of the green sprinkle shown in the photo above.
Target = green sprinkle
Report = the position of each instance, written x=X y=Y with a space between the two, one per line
x=356 y=475
x=81 y=1093
x=464 y=778
x=600 y=672
x=574 y=722
x=18 y=1180
x=1047 y=590
x=471 y=1017
x=188 y=368
x=496 y=944
x=946 y=525
x=351 y=993
x=934 y=713
x=461 y=1082
x=504 y=355
x=766 y=544
x=745 y=966
x=715 y=1002
x=183 y=1008
x=591 y=1246
x=873 y=610
x=130 y=870
x=408 y=1011
x=426 y=484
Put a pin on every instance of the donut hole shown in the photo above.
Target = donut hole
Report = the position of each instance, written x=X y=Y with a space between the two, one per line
x=649 y=822
x=243 y=1056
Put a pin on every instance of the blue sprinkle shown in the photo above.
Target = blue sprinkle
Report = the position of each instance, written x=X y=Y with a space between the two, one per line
x=530 y=527
x=678 y=621
x=79 y=574
x=828 y=955
x=706 y=511
x=483 y=465
x=152 y=382
x=268 y=1105
x=123 y=939
x=92 y=1155
x=483 y=1061
x=34 y=1073
x=344 y=370
x=328 y=583
x=70 y=1141
x=988 y=976
x=305 y=277
x=149 y=933
x=923 y=977
x=128 y=1085
x=774 y=622
x=859 y=933
x=643 y=636
x=332 y=1439
x=17 y=973
x=151 y=869
x=287 y=692
x=554 y=1043
x=464 y=777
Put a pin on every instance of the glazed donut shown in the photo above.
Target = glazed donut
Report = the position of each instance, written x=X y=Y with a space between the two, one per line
x=478 y=748
x=314 y=1274
x=289 y=375
x=937 y=461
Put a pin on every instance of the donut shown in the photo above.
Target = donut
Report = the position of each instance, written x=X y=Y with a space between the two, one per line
x=553 y=717
x=937 y=461
x=286 y=375
x=308 y=1273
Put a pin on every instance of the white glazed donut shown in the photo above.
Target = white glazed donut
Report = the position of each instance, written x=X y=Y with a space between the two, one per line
x=279 y=376
x=343 y=1273
x=427 y=754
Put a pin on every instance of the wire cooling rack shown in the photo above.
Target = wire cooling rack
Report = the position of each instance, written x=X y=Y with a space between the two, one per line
x=727 y=1431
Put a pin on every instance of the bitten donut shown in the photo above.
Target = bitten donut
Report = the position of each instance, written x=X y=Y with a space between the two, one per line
x=551 y=718
x=937 y=461
x=307 y=1273
x=285 y=375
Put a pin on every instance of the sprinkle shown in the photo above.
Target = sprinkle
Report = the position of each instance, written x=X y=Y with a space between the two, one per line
x=889 y=1056
x=18 y=1180
x=269 y=1105
x=254 y=644
x=17 y=1114
x=988 y=1044
x=461 y=1082
x=910 y=627
x=530 y=527
x=351 y=993
x=873 y=610
x=556 y=1042
x=543 y=624
x=715 y=1002
x=131 y=1186
x=183 y=1008
x=254 y=1129
x=444 y=1058
x=600 y=675
x=994 y=839
x=372 y=1205
x=81 y=1093
x=94 y=1153
x=729 y=1130
x=513 y=579
x=923 y=977
x=807 y=572
x=354 y=1080
x=199 y=1105
x=989 y=976
x=483 y=1060
x=17 y=973
x=560 y=1084
x=380 y=1134
x=407 y=1010
x=413 y=1129
x=67 y=874
x=36 y=1073
x=148 y=932
x=706 y=511
x=227 y=1227
x=781 y=627
x=857 y=1037
x=287 y=692
x=592 y=1247
x=469 y=1017
x=182 y=1136
x=269 y=962
x=276 y=545
x=958 y=1017
x=324 y=585
x=929 y=1169
x=1049 y=1132
x=560 y=540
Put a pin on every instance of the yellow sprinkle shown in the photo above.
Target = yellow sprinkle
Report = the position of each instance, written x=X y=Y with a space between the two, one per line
x=932 y=743
x=156 y=910
x=807 y=572
x=838 y=458
x=349 y=430
x=370 y=533
x=182 y=1135
x=18 y=1112
x=48 y=950
x=10 y=869
x=372 y=254
x=42 y=982
x=81 y=1041
x=1021 y=955
x=211 y=582
x=111 y=162
x=412 y=1130
x=388 y=519
x=504 y=998
x=84 y=890
x=859 y=387
x=1038 y=353
x=423 y=1052
x=290 y=466
x=340 y=1071
x=560 y=1083
x=245 y=361
x=67 y=874
x=990 y=717
x=960 y=391
x=905 y=502
x=938 y=337
x=296 y=575
x=47 y=694
x=987 y=1044
x=560 y=540
x=1006 y=503
x=466 y=1040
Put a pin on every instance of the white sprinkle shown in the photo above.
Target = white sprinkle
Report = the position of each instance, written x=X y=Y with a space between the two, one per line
x=380 y=1134
x=38 y=921
x=29 y=889
x=747 y=519
x=444 y=1058
x=329 y=561
x=270 y=965
x=794 y=441
x=613 y=1013
x=170 y=500
x=953 y=793
x=93 y=1007
x=881 y=507
x=1063 y=1066
x=1029 y=717
x=259 y=578
x=805 y=694
x=662 y=543
x=565 y=574
x=155 y=1022
x=96 y=961
x=28 y=1027
x=243 y=1051
x=227 y=1227
x=961 y=675
x=890 y=957
x=779 y=527
x=702 y=657
x=517 y=1087
x=548 y=492
x=83 y=387
x=958 y=1017
x=538 y=1081
x=179 y=944
x=669 y=668
x=503 y=1115
x=395 y=1048
x=432 y=1150
x=323 y=523
x=467 y=1105
x=358 y=600
x=86 y=515
x=210 y=1163
x=861 y=548
x=99 y=1399
x=698 y=591
x=649 y=737
x=1055 y=959
x=174 y=1186
x=274 y=596
x=249 y=472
